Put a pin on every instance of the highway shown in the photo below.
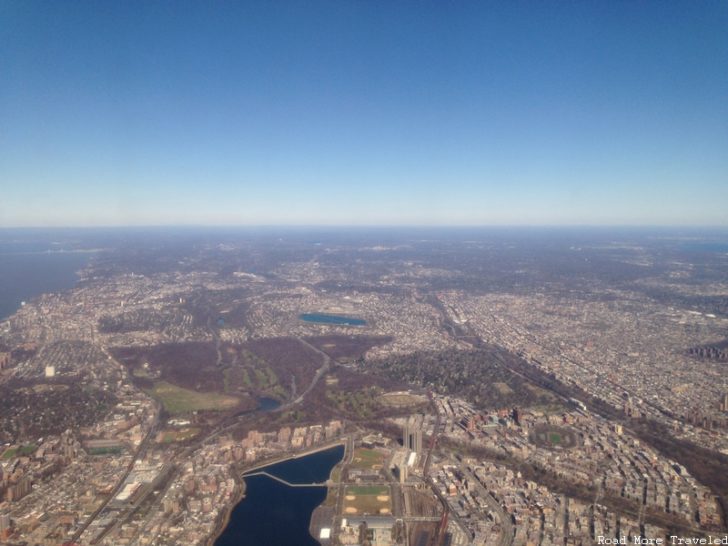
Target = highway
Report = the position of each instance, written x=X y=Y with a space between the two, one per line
x=138 y=455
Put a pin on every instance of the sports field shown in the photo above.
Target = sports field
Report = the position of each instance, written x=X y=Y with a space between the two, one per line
x=554 y=436
x=367 y=499
x=367 y=459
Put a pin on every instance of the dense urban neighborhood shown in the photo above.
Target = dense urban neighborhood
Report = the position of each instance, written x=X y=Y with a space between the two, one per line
x=481 y=390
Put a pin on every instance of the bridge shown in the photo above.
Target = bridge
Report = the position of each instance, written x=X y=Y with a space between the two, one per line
x=284 y=482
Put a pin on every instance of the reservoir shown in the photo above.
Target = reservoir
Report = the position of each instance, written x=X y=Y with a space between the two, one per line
x=340 y=320
x=274 y=514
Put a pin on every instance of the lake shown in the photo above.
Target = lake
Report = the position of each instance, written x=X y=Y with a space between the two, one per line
x=274 y=514
x=340 y=320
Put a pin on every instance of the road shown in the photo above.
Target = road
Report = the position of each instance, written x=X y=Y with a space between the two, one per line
x=233 y=421
x=452 y=515
x=348 y=456
x=139 y=454
x=324 y=369
x=433 y=440
x=506 y=538
x=431 y=482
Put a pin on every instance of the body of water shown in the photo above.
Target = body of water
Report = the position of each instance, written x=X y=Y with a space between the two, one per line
x=28 y=272
x=264 y=404
x=715 y=246
x=323 y=318
x=268 y=404
x=274 y=514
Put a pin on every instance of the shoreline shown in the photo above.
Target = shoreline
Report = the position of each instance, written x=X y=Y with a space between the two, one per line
x=220 y=528
x=227 y=514
x=6 y=316
x=293 y=456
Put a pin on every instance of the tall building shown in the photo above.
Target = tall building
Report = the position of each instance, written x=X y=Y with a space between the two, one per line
x=5 y=527
x=402 y=469
x=412 y=438
x=724 y=403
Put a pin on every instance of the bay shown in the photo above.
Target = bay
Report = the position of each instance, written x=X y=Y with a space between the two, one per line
x=27 y=272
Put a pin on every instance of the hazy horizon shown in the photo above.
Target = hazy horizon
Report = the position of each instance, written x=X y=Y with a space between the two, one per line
x=567 y=226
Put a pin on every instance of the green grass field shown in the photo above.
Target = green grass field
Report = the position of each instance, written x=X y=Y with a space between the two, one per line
x=549 y=436
x=18 y=451
x=179 y=400
x=367 y=499
x=503 y=388
x=367 y=490
x=367 y=459
x=169 y=436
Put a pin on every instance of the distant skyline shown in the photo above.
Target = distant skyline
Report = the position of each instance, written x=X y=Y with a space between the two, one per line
x=363 y=113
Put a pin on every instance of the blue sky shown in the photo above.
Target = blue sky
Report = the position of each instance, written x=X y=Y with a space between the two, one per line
x=372 y=112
